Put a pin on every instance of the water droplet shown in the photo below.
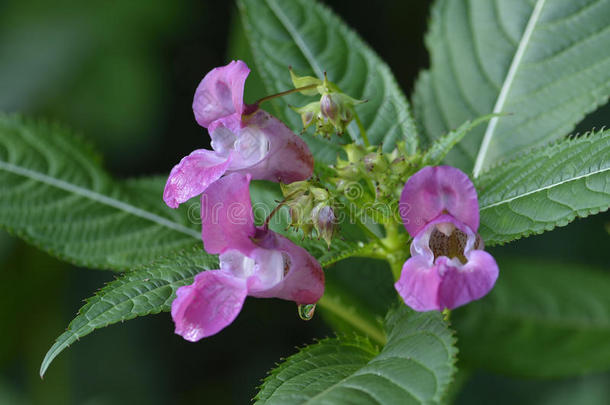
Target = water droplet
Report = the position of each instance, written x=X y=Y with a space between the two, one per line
x=306 y=311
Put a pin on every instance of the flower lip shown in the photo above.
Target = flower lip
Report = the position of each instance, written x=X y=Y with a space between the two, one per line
x=436 y=276
x=445 y=237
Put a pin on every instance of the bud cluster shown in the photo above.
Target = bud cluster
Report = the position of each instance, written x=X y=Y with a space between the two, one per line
x=332 y=113
x=311 y=208
x=383 y=172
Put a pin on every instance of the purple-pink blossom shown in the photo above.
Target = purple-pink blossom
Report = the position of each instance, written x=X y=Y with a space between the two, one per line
x=245 y=139
x=448 y=266
x=254 y=261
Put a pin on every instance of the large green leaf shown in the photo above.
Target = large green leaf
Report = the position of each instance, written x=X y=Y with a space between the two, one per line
x=415 y=366
x=540 y=320
x=544 y=61
x=545 y=188
x=149 y=290
x=310 y=38
x=55 y=194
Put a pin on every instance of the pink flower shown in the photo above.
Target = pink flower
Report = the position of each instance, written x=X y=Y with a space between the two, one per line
x=244 y=139
x=253 y=261
x=448 y=266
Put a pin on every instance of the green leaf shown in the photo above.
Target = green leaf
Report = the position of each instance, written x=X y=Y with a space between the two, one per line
x=443 y=145
x=545 y=188
x=310 y=38
x=543 y=61
x=148 y=290
x=55 y=195
x=415 y=366
x=541 y=320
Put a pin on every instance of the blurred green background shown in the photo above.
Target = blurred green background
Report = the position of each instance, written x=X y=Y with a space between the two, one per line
x=123 y=73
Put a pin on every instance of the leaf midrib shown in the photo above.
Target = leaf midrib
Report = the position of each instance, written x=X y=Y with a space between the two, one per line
x=522 y=195
x=506 y=86
x=298 y=39
x=97 y=197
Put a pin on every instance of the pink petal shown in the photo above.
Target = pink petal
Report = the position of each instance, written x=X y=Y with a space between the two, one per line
x=193 y=175
x=468 y=283
x=303 y=281
x=226 y=215
x=419 y=283
x=433 y=190
x=233 y=122
x=208 y=305
x=220 y=93
x=289 y=158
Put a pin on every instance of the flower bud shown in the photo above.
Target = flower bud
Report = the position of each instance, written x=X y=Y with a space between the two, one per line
x=328 y=107
x=324 y=221
x=309 y=113
x=375 y=162
x=300 y=209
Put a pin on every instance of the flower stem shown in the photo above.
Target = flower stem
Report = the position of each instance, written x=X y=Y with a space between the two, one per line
x=395 y=247
x=365 y=139
x=285 y=93
x=276 y=209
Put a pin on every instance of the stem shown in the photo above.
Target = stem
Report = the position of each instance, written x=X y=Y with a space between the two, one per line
x=395 y=247
x=396 y=267
x=285 y=93
x=276 y=209
x=362 y=130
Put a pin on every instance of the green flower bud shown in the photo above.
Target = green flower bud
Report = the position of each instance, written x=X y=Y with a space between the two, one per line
x=309 y=113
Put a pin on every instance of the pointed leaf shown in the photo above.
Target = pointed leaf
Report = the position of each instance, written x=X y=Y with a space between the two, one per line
x=55 y=195
x=544 y=61
x=414 y=367
x=149 y=290
x=545 y=188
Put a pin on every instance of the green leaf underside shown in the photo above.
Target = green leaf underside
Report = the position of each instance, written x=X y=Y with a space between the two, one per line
x=310 y=38
x=543 y=61
x=146 y=291
x=55 y=195
x=540 y=320
x=545 y=188
x=415 y=366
